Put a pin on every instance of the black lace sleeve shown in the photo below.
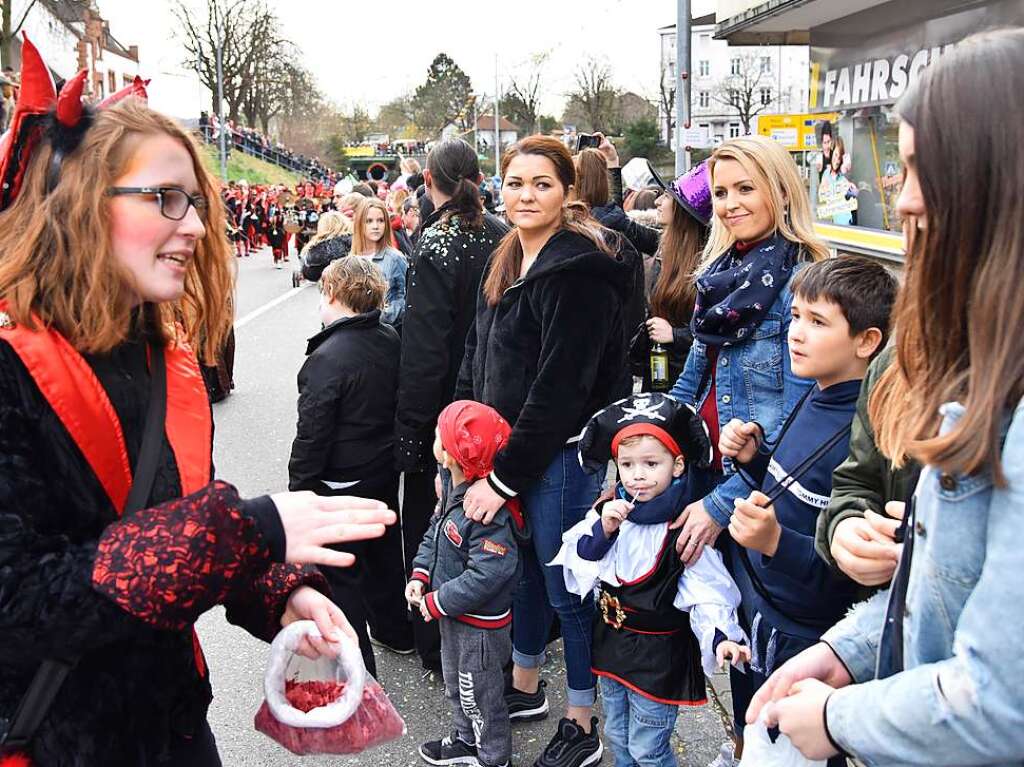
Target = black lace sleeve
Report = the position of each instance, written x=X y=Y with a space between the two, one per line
x=259 y=608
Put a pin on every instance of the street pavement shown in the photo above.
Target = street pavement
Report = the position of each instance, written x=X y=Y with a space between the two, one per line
x=254 y=428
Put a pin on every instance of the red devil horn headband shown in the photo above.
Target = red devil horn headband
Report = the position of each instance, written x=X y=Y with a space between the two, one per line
x=42 y=113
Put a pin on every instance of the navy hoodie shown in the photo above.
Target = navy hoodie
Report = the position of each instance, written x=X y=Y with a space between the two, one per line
x=811 y=596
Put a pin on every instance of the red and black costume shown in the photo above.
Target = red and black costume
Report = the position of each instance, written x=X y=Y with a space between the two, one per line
x=117 y=595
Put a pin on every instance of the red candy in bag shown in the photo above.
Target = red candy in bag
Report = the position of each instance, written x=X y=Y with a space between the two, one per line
x=346 y=714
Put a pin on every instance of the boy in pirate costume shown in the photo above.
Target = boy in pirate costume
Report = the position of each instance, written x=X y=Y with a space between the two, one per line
x=660 y=625
x=463 y=577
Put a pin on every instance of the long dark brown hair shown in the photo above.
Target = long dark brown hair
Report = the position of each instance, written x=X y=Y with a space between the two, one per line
x=591 y=178
x=959 y=317
x=508 y=256
x=455 y=171
x=682 y=243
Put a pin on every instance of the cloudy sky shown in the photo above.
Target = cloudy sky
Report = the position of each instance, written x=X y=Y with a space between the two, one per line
x=370 y=52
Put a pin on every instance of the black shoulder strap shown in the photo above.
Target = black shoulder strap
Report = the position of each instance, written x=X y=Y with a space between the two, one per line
x=50 y=676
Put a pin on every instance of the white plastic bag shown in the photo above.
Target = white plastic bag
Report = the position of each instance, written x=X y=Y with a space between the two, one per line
x=349 y=669
x=759 y=751
x=327 y=706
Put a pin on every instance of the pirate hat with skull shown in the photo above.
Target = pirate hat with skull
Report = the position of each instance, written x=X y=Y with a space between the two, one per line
x=674 y=424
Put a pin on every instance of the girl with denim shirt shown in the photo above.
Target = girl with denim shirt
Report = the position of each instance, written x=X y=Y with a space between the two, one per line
x=374 y=239
x=738 y=365
x=926 y=672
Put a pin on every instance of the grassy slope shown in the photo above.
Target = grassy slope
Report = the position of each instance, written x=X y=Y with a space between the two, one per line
x=253 y=170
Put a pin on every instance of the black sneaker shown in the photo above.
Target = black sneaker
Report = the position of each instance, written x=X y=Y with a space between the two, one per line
x=525 y=706
x=571 y=747
x=399 y=648
x=449 y=750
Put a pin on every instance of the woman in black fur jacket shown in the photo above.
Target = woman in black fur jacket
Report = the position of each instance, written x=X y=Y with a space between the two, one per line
x=547 y=350
x=106 y=276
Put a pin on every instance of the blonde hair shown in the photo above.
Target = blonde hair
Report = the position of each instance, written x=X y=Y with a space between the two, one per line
x=396 y=198
x=331 y=224
x=775 y=174
x=355 y=282
x=410 y=165
x=56 y=260
x=351 y=201
x=360 y=245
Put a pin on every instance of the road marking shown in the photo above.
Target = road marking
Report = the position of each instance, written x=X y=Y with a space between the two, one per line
x=268 y=306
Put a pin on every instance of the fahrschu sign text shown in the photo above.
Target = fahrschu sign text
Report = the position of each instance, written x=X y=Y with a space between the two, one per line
x=867 y=83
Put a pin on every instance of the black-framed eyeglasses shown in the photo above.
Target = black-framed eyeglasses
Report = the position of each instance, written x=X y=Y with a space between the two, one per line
x=174 y=202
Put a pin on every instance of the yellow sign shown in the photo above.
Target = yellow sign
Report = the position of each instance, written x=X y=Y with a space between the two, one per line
x=795 y=132
x=358 y=151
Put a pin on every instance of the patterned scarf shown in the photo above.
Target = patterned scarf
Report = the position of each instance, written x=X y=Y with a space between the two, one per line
x=737 y=290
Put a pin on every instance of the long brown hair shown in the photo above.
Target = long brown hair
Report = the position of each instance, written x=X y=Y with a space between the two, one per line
x=56 y=260
x=959 y=316
x=591 y=178
x=360 y=245
x=507 y=259
x=680 y=251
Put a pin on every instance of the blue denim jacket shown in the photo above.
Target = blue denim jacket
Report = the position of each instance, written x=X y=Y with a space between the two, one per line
x=960 y=699
x=754 y=382
x=393 y=266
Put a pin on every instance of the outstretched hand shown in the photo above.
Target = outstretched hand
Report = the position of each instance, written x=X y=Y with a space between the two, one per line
x=312 y=522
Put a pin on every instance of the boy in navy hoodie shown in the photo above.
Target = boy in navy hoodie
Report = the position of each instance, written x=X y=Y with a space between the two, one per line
x=841 y=316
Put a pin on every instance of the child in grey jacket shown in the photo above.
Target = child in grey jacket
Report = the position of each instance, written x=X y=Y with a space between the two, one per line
x=463 y=577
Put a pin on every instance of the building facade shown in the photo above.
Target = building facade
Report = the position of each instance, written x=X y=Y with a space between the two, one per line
x=71 y=35
x=864 y=54
x=772 y=78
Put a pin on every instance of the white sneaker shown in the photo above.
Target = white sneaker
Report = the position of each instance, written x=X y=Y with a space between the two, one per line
x=279 y=265
x=725 y=756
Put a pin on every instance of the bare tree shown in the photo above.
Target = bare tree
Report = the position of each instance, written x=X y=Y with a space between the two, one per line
x=522 y=98
x=7 y=34
x=248 y=31
x=667 y=100
x=595 y=94
x=749 y=89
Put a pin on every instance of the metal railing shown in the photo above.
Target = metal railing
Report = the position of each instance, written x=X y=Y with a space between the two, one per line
x=279 y=156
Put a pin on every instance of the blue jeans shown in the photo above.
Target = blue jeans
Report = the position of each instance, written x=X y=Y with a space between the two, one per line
x=638 y=729
x=556 y=502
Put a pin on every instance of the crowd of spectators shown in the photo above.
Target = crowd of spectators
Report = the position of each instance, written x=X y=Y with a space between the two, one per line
x=253 y=142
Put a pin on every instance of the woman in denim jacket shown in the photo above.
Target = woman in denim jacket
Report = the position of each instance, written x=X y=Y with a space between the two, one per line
x=761 y=234
x=929 y=672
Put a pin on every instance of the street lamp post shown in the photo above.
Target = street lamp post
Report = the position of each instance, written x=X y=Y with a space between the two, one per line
x=220 y=102
x=682 y=84
x=497 y=131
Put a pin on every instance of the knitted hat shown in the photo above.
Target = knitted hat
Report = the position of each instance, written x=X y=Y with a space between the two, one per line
x=677 y=426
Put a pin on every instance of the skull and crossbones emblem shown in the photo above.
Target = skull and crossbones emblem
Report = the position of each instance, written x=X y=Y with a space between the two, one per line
x=643 y=409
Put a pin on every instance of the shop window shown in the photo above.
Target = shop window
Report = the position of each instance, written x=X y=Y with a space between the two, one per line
x=704 y=99
x=861 y=188
x=704 y=68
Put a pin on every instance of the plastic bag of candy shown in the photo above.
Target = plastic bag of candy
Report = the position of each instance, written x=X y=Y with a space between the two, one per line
x=327 y=706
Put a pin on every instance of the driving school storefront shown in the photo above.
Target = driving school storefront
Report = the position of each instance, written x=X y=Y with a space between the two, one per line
x=864 y=54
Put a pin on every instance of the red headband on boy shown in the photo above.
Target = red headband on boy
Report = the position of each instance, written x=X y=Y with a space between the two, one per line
x=647 y=429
